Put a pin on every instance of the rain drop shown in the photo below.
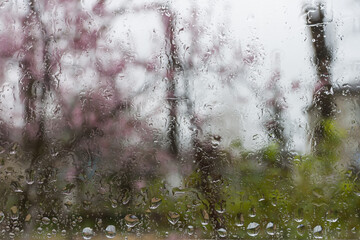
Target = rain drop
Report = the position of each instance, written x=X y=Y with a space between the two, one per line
x=299 y=215
x=173 y=217
x=300 y=229
x=155 y=203
x=270 y=229
x=318 y=231
x=87 y=233
x=2 y=216
x=14 y=213
x=110 y=231
x=29 y=177
x=131 y=220
x=205 y=217
x=45 y=220
x=222 y=232
x=331 y=216
x=239 y=222
x=253 y=229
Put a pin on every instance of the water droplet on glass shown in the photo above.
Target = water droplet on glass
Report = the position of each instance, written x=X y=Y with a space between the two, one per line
x=155 y=203
x=331 y=216
x=253 y=229
x=55 y=220
x=14 y=213
x=2 y=216
x=205 y=217
x=222 y=232
x=113 y=203
x=239 y=221
x=300 y=229
x=126 y=198
x=270 y=228
x=131 y=220
x=190 y=230
x=299 y=215
x=87 y=233
x=14 y=149
x=252 y=212
x=110 y=231
x=220 y=207
x=99 y=222
x=318 y=231
x=173 y=217
x=215 y=142
x=39 y=230
x=45 y=220
x=16 y=187
x=30 y=177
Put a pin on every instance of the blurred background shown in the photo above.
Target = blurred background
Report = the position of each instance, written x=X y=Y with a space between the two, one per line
x=179 y=119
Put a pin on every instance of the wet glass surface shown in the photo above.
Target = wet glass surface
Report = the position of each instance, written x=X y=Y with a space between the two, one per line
x=179 y=119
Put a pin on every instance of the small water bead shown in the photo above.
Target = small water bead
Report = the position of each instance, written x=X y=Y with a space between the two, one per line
x=14 y=213
x=39 y=230
x=318 y=231
x=253 y=229
x=252 y=212
x=86 y=204
x=63 y=232
x=30 y=177
x=190 y=230
x=270 y=228
x=205 y=217
x=2 y=216
x=299 y=215
x=222 y=232
x=87 y=233
x=45 y=220
x=114 y=203
x=14 y=149
x=220 y=207
x=173 y=217
x=110 y=231
x=239 y=221
x=131 y=220
x=99 y=222
x=16 y=187
x=300 y=229
x=126 y=198
x=155 y=203
x=332 y=216
x=55 y=220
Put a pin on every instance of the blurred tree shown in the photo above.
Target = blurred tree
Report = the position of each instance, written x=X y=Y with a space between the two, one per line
x=323 y=98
